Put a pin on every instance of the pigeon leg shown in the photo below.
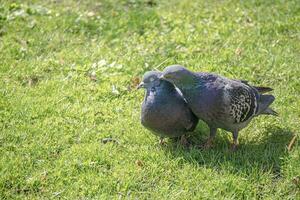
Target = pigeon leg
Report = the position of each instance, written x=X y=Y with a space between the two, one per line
x=234 y=145
x=183 y=141
x=209 y=141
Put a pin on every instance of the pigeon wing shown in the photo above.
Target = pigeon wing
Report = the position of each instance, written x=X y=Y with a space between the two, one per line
x=241 y=100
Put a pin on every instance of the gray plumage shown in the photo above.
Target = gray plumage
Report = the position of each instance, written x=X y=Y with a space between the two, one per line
x=164 y=111
x=219 y=101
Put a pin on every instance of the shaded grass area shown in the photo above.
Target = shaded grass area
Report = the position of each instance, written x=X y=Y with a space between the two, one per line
x=68 y=70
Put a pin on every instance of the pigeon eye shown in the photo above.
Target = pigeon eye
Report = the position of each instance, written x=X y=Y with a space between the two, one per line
x=151 y=79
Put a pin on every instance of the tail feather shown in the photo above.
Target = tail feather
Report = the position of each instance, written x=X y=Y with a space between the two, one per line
x=269 y=111
x=264 y=100
x=263 y=104
x=263 y=90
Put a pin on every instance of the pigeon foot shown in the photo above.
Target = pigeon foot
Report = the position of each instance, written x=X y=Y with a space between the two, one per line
x=233 y=148
x=208 y=144
x=183 y=141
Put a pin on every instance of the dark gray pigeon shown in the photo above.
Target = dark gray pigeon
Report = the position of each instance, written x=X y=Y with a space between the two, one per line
x=219 y=101
x=164 y=111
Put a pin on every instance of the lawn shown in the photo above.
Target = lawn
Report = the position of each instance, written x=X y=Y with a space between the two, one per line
x=70 y=115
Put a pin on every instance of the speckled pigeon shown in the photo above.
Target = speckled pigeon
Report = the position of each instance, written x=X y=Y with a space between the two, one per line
x=164 y=110
x=219 y=101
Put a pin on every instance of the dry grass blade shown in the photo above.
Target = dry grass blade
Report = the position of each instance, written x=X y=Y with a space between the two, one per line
x=292 y=142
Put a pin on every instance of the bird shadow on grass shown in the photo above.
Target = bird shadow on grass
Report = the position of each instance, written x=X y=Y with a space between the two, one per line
x=265 y=155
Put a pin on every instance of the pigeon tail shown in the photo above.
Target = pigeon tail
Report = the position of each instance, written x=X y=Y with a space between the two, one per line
x=263 y=90
x=263 y=105
x=269 y=111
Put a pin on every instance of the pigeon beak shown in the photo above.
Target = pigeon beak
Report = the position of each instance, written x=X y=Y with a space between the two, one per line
x=141 y=85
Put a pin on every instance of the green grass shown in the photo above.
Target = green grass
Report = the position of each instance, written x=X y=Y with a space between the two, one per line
x=54 y=117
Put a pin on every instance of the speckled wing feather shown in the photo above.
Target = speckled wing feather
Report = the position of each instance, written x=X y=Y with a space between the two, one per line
x=242 y=101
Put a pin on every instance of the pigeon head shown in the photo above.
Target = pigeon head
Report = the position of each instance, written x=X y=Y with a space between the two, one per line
x=178 y=75
x=150 y=80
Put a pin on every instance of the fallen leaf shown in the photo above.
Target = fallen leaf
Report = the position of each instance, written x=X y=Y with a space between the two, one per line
x=238 y=51
x=135 y=81
x=139 y=163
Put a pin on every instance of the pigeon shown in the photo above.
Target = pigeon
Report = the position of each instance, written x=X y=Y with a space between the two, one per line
x=220 y=102
x=164 y=110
